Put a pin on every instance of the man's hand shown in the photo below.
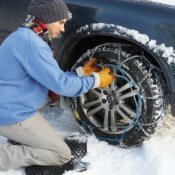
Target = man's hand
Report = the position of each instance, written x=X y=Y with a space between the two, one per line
x=106 y=77
x=88 y=68
x=103 y=78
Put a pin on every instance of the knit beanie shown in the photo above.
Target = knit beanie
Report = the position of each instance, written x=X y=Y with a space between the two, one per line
x=48 y=11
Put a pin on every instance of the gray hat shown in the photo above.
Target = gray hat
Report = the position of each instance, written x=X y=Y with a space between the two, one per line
x=48 y=11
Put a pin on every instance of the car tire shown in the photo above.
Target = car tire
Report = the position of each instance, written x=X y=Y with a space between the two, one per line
x=131 y=109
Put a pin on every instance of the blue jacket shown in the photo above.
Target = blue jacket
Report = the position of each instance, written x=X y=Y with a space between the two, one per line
x=27 y=71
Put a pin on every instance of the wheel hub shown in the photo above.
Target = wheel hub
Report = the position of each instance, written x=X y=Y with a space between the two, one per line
x=113 y=109
x=111 y=99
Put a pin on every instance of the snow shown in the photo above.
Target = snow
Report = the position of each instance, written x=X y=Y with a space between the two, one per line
x=154 y=157
x=167 y=2
x=167 y=53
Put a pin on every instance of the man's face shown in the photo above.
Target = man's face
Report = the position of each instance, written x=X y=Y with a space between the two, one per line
x=56 y=28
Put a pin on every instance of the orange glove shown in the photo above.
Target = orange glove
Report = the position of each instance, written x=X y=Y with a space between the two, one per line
x=88 y=68
x=106 y=77
x=103 y=78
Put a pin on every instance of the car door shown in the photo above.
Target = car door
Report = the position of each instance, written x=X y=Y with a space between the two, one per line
x=12 y=13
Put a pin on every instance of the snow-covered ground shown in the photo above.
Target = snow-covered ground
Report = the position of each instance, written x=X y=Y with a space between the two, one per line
x=155 y=157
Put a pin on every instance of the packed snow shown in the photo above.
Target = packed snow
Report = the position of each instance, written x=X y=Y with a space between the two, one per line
x=155 y=157
x=167 y=53
x=167 y=2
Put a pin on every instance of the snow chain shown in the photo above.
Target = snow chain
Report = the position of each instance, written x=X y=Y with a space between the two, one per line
x=73 y=101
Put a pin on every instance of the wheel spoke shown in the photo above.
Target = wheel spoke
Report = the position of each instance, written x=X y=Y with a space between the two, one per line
x=94 y=111
x=123 y=88
x=90 y=104
x=113 y=122
x=113 y=84
x=128 y=110
x=96 y=92
x=130 y=94
x=106 y=117
x=126 y=118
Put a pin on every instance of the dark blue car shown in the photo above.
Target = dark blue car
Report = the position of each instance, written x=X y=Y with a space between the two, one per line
x=136 y=39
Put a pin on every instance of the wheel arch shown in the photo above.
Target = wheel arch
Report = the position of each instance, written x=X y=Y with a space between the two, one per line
x=90 y=36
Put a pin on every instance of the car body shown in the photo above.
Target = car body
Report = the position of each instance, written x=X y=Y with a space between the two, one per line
x=145 y=25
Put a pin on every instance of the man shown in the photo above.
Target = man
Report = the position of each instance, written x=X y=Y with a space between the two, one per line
x=28 y=71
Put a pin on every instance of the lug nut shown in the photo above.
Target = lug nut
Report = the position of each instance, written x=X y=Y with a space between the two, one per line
x=105 y=92
x=103 y=101
x=113 y=92
x=110 y=106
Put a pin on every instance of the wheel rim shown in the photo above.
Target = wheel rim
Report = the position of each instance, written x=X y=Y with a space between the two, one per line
x=115 y=109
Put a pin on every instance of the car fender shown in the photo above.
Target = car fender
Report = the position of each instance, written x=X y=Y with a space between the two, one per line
x=164 y=56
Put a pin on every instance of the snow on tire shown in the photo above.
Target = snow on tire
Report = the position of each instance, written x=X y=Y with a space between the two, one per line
x=131 y=109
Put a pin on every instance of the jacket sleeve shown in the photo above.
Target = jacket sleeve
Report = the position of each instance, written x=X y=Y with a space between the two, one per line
x=42 y=67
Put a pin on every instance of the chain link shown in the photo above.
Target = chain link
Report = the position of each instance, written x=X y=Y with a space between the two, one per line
x=74 y=104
